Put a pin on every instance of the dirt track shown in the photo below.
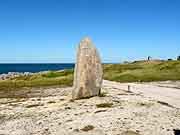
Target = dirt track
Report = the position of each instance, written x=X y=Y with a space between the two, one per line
x=164 y=93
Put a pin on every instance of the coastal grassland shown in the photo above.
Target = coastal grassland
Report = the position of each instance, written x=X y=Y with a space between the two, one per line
x=138 y=71
x=143 y=71
x=49 y=78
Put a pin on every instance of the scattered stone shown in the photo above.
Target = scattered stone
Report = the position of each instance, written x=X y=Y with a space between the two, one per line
x=39 y=122
x=71 y=100
x=62 y=99
x=69 y=120
x=166 y=104
x=46 y=129
x=11 y=75
x=88 y=128
x=67 y=108
x=38 y=99
x=144 y=104
x=130 y=133
x=51 y=102
x=33 y=105
x=99 y=111
x=104 y=105
x=117 y=101
x=88 y=71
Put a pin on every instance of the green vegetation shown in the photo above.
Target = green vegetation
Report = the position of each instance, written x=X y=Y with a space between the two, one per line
x=138 y=71
x=52 y=74
x=50 y=78
x=143 y=71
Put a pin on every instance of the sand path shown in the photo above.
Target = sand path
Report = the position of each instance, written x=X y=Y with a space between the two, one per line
x=161 y=93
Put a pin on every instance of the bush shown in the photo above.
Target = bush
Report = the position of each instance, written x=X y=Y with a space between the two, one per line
x=54 y=74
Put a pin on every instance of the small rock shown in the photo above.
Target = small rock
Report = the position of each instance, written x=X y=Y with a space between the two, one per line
x=100 y=111
x=51 y=102
x=88 y=128
x=67 y=108
x=46 y=129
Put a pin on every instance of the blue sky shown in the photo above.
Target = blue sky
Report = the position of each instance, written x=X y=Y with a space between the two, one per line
x=123 y=30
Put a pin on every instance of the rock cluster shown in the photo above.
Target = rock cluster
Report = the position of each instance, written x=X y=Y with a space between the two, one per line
x=11 y=75
x=88 y=71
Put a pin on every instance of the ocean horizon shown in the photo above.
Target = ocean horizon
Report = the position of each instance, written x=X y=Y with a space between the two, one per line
x=33 y=67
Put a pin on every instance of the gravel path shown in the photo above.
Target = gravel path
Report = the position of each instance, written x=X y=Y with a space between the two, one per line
x=168 y=95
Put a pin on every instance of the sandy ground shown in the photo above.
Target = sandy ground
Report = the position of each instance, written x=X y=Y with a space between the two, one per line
x=168 y=92
x=147 y=109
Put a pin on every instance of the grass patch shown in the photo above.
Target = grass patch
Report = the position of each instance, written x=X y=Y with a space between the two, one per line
x=143 y=71
x=53 y=74
x=51 y=78
x=104 y=105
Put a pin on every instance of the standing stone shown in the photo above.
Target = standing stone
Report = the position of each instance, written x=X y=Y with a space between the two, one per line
x=88 y=71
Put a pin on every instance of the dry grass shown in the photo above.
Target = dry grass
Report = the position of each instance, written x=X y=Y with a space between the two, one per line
x=143 y=71
x=51 y=78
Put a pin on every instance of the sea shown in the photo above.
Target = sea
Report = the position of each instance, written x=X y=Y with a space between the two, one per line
x=33 y=68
